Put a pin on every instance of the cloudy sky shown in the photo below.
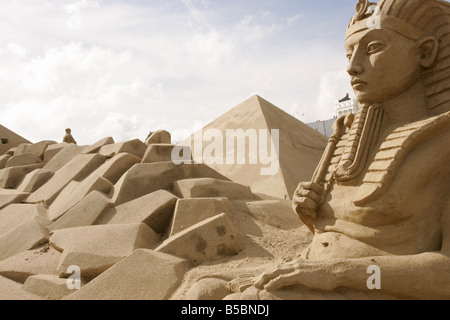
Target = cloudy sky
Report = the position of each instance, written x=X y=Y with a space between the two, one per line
x=123 y=68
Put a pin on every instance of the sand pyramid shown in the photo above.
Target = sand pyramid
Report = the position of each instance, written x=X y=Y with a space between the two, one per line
x=9 y=139
x=300 y=147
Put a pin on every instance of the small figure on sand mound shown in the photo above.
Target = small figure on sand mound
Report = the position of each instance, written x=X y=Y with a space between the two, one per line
x=68 y=138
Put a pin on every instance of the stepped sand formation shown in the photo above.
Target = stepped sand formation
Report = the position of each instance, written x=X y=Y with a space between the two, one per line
x=126 y=221
x=134 y=225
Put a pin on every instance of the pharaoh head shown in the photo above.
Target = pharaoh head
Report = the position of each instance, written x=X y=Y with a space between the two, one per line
x=393 y=45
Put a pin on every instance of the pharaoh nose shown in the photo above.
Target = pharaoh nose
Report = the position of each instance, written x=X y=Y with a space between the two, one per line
x=354 y=69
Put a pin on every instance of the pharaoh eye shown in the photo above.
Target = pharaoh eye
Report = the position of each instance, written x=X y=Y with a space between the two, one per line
x=374 y=47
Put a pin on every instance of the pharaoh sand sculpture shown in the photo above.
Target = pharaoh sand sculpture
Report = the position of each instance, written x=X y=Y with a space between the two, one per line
x=380 y=195
x=135 y=225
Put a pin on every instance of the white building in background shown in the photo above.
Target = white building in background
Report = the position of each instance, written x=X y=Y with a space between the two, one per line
x=346 y=106
x=342 y=107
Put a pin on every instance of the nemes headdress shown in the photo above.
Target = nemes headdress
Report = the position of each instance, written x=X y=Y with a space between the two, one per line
x=414 y=19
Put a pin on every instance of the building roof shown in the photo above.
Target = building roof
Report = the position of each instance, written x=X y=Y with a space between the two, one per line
x=347 y=98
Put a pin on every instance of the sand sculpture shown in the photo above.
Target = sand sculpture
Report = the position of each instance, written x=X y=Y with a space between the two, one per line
x=121 y=220
x=10 y=139
x=299 y=149
x=380 y=196
x=158 y=137
x=129 y=222
x=68 y=138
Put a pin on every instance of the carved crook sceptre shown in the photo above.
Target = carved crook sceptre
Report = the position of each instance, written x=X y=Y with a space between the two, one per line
x=339 y=128
x=308 y=215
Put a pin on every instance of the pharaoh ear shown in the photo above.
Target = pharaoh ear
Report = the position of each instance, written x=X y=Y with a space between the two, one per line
x=428 y=47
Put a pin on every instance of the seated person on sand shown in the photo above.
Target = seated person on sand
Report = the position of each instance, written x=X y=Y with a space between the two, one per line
x=381 y=194
x=68 y=138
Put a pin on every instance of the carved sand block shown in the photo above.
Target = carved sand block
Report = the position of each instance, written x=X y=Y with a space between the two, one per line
x=113 y=169
x=210 y=240
x=189 y=212
x=76 y=170
x=11 y=177
x=49 y=287
x=3 y=160
x=74 y=192
x=8 y=197
x=28 y=235
x=42 y=260
x=14 y=215
x=96 y=248
x=69 y=152
x=21 y=149
x=39 y=148
x=85 y=213
x=150 y=276
x=155 y=210
x=35 y=179
x=11 y=290
x=158 y=137
x=11 y=151
x=158 y=153
x=95 y=148
x=135 y=147
x=209 y=188
x=23 y=160
x=276 y=213
x=100 y=180
x=147 y=178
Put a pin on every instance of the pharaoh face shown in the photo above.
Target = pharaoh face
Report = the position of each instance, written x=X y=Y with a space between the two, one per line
x=382 y=64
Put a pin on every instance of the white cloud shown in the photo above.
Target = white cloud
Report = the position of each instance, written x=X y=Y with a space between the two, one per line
x=59 y=67
x=83 y=4
x=129 y=69
x=16 y=50
x=73 y=10
x=74 y=13
x=36 y=119
x=207 y=48
x=198 y=16
x=333 y=85
x=121 y=127
x=262 y=24
x=70 y=86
